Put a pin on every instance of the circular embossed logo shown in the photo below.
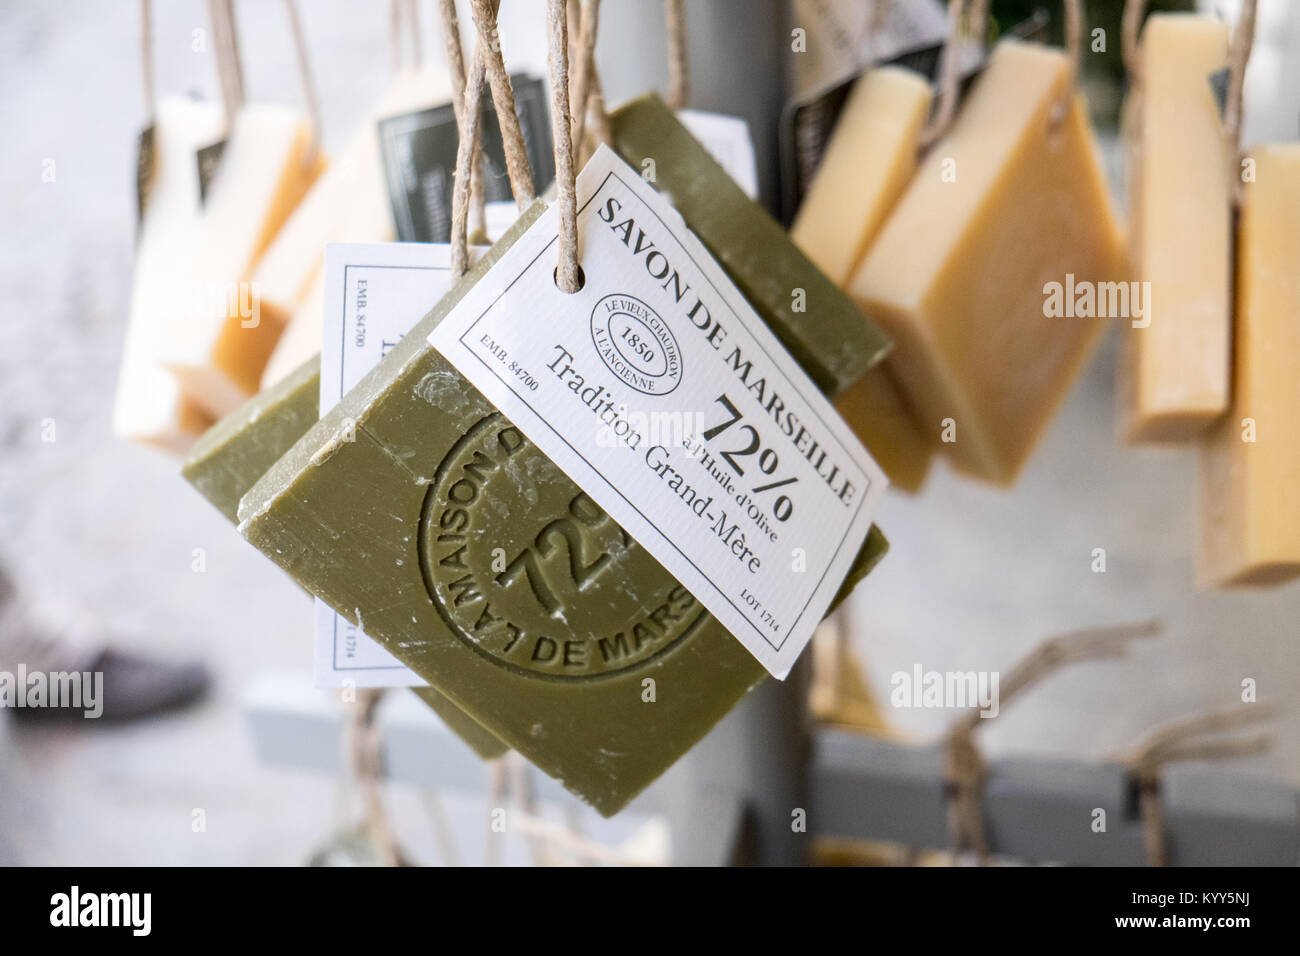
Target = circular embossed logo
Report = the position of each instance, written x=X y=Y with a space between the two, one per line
x=528 y=571
x=636 y=344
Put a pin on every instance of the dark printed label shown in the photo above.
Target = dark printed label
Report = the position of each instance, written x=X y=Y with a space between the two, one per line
x=419 y=155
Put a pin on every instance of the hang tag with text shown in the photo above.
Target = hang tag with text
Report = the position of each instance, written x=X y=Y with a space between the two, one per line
x=374 y=294
x=659 y=390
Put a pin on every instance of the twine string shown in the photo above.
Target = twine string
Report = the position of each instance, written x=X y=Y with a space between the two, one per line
x=584 y=72
x=305 y=76
x=567 y=271
x=1178 y=741
x=503 y=97
x=468 y=136
x=365 y=750
x=1243 y=40
x=1134 y=11
x=226 y=50
x=679 y=77
x=460 y=94
x=146 y=58
x=964 y=765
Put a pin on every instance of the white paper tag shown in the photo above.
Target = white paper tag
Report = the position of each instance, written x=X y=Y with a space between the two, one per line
x=727 y=139
x=374 y=294
x=663 y=395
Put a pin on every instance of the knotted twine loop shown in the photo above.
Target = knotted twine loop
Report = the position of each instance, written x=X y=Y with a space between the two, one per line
x=1176 y=741
x=366 y=761
x=964 y=766
x=503 y=97
x=308 y=85
x=679 y=76
x=460 y=89
x=225 y=44
x=567 y=272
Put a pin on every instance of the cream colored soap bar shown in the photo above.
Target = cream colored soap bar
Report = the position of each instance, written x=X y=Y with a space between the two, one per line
x=220 y=343
x=1250 y=525
x=1174 y=378
x=869 y=162
x=302 y=335
x=1011 y=199
x=149 y=407
x=349 y=203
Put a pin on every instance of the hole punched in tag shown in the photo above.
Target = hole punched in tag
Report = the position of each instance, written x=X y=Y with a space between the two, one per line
x=582 y=281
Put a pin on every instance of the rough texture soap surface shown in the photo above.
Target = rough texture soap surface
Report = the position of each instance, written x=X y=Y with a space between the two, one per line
x=958 y=273
x=1175 y=373
x=239 y=449
x=400 y=530
x=220 y=343
x=149 y=406
x=1250 y=512
x=833 y=341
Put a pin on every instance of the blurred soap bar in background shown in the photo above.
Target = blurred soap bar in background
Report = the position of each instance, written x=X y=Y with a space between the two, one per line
x=149 y=406
x=1174 y=375
x=869 y=161
x=349 y=203
x=219 y=342
x=1250 y=520
x=1010 y=199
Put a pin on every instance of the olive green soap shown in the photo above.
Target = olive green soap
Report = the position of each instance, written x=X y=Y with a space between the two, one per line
x=231 y=455
x=819 y=325
x=229 y=458
x=418 y=512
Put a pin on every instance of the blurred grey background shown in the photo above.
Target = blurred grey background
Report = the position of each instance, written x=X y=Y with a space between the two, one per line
x=975 y=577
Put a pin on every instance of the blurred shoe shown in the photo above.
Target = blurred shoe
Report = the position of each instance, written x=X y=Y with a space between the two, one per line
x=128 y=686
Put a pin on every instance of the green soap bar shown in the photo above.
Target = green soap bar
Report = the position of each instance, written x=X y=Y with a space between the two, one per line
x=236 y=451
x=239 y=449
x=418 y=512
x=833 y=341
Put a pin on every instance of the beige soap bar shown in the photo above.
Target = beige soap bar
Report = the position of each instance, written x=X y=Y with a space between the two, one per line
x=221 y=341
x=1174 y=379
x=1010 y=200
x=149 y=407
x=301 y=338
x=349 y=203
x=869 y=162
x=1250 y=487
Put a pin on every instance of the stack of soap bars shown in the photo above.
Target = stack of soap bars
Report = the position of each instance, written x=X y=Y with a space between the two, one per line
x=391 y=507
